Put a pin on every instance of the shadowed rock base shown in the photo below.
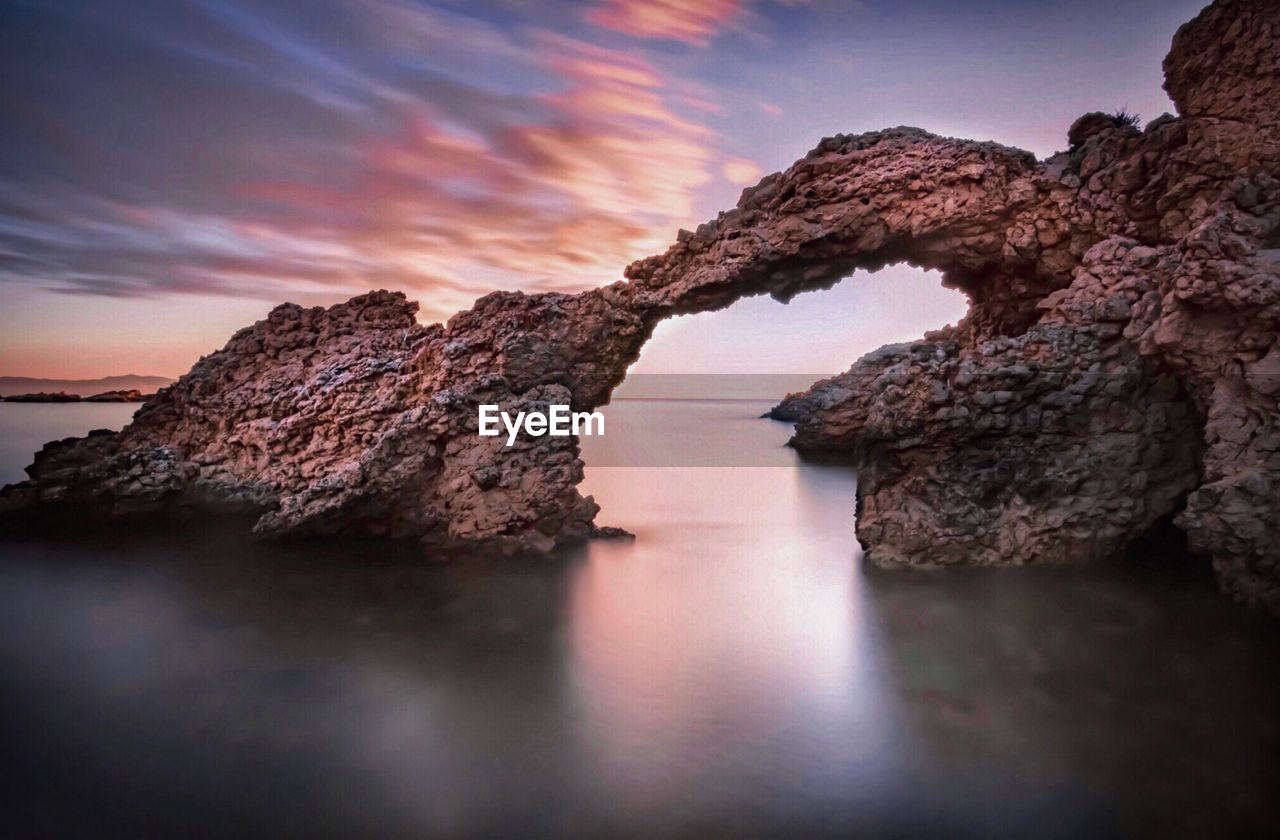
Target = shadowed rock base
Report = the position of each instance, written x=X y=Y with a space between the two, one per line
x=1119 y=361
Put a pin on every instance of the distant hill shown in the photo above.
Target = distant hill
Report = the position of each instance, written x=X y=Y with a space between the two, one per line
x=11 y=385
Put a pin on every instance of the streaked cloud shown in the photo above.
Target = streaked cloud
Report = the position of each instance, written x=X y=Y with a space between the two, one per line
x=195 y=161
x=387 y=153
x=692 y=21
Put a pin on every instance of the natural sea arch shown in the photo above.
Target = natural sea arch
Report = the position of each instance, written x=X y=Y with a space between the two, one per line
x=1118 y=355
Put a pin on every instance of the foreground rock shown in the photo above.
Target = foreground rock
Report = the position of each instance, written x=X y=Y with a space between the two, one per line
x=1154 y=372
x=1119 y=362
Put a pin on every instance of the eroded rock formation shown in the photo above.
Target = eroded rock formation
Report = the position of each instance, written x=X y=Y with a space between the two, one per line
x=1120 y=353
x=1153 y=372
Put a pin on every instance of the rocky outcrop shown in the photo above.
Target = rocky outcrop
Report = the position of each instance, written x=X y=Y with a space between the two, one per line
x=358 y=419
x=118 y=396
x=1058 y=445
x=1155 y=372
x=43 y=397
x=64 y=397
x=1118 y=363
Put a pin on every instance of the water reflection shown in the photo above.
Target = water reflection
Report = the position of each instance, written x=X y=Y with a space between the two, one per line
x=747 y=671
x=734 y=670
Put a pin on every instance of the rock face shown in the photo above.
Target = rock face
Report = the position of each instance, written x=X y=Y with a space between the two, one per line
x=1119 y=362
x=1058 y=445
x=1153 y=372
x=357 y=419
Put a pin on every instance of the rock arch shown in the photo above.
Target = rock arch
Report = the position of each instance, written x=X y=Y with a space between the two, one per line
x=1120 y=353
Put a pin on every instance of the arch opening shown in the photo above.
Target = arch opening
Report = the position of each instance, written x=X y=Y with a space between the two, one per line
x=817 y=331
x=697 y=394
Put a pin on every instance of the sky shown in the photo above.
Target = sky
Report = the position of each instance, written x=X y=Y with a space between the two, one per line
x=172 y=169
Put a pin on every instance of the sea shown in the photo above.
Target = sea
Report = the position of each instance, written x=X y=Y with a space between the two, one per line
x=735 y=671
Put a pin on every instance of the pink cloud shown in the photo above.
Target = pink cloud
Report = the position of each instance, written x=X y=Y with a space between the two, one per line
x=447 y=189
x=691 y=21
x=604 y=173
x=741 y=171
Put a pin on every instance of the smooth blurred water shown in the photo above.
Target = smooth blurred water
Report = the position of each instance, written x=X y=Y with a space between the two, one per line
x=734 y=671
x=25 y=427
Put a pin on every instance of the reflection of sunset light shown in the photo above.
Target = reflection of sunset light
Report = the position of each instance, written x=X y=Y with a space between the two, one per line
x=718 y=619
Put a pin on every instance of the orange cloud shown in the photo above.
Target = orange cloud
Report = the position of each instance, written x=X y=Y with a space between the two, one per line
x=691 y=21
x=590 y=178
x=555 y=173
x=741 y=171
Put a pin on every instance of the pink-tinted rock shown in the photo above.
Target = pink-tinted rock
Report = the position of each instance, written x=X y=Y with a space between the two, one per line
x=117 y=396
x=1117 y=364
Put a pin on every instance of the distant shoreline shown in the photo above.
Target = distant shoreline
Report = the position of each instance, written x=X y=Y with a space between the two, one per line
x=54 y=399
x=63 y=397
x=29 y=386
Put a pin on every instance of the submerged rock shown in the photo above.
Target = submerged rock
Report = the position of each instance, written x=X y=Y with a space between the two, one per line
x=1117 y=364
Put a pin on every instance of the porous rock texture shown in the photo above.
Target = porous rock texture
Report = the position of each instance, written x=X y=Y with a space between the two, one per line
x=1144 y=382
x=1118 y=364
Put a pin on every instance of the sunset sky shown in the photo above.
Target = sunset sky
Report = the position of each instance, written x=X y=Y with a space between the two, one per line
x=169 y=170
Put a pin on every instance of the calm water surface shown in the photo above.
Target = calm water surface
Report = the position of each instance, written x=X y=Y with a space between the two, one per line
x=734 y=670
x=25 y=427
